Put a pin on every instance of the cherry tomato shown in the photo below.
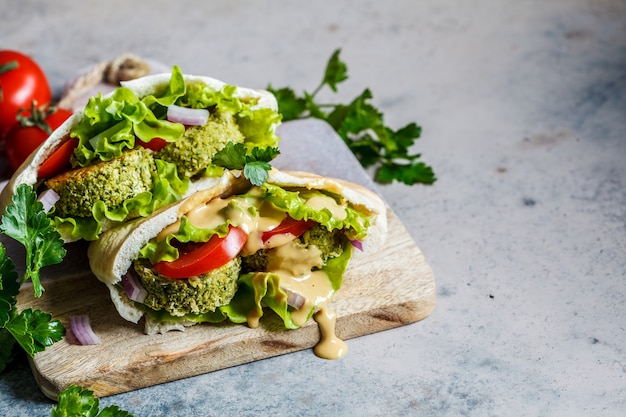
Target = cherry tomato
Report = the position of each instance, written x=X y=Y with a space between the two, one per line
x=21 y=82
x=216 y=252
x=288 y=226
x=155 y=144
x=21 y=141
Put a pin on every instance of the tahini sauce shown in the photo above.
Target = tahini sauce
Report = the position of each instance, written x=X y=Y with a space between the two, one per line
x=293 y=264
x=330 y=346
x=320 y=202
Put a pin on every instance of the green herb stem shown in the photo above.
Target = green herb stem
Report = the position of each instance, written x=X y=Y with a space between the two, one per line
x=362 y=127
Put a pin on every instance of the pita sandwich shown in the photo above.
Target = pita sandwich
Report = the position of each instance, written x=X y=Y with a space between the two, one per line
x=234 y=249
x=147 y=144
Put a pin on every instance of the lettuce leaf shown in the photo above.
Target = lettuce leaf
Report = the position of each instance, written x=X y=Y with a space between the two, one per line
x=199 y=96
x=110 y=125
x=258 y=127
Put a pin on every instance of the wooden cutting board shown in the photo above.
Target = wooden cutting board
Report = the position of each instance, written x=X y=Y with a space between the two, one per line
x=394 y=287
x=391 y=288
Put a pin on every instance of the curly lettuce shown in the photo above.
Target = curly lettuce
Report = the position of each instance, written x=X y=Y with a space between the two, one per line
x=111 y=124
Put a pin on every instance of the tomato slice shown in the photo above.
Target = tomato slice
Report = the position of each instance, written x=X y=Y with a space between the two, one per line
x=218 y=251
x=289 y=225
x=59 y=160
x=155 y=144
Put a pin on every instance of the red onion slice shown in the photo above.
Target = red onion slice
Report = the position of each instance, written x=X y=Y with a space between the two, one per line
x=187 y=116
x=133 y=288
x=81 y=328
x=48 y=198
x=357 y=244
x=294 y=299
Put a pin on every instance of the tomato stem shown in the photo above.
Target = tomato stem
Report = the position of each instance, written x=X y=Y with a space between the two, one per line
x=6 y=67
x=37 y=116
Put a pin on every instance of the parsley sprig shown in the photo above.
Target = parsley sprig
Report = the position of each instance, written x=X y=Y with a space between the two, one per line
x=26 y=222
x=33 y=330
x=77 y=401
x=361 y=126
x=254 y=163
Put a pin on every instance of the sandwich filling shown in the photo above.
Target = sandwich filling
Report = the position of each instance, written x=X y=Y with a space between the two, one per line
x=289 y=253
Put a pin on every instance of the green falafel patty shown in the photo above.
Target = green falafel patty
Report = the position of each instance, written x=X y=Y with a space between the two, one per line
x=194 y=295
x=195 y=151
x=330 y=244
x=111 y=182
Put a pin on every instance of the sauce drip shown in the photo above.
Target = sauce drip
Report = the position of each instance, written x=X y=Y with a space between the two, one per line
x=329 y=346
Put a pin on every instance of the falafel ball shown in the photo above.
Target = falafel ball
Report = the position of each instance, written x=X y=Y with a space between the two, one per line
x=194 y=295
x=192 y=153
x=111 y=182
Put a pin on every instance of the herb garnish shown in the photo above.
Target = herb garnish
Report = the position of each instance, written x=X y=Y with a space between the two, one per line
x=76 y=401
x=255 y=164
x=33 y=330
x=361 y=126
x=26 y=222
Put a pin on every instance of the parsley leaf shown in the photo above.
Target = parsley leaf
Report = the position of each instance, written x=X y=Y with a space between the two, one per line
x=255 y=163
x=33 y=330
x=407 y=173
x=76 y=401
x=232 y=156
x=257 y=172
x=290 y=106
x=26 y=222
x=336 y=71
x=9 y=288
x=361 y=126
